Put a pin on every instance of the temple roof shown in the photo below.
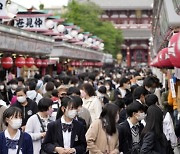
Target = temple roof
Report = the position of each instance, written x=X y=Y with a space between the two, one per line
x=122 y=4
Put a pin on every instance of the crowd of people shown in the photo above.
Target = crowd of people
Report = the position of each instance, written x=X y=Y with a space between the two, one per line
x=99 y=112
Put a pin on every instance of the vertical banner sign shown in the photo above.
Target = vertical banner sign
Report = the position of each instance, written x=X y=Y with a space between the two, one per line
x=172 y=88
x=164 y=80
x=3 y=8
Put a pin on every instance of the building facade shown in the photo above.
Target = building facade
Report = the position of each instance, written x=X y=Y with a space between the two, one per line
x=134 y=18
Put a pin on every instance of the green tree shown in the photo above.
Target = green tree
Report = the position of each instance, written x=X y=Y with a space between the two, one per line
x=86 y=15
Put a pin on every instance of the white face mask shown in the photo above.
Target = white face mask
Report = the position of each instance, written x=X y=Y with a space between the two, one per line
x=141 y=116
x=71 y=114
x=128 y=86
x=139 y=82
x=14 y=86
x=1 y=87
x=15 y=123
x=21 y=99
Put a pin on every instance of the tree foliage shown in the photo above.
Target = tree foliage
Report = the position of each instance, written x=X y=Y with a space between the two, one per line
x=86 y=15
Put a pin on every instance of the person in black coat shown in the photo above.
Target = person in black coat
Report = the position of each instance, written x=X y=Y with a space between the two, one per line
x=28 y=106
x=130 y=130
x=65 y=135
x=153 y=140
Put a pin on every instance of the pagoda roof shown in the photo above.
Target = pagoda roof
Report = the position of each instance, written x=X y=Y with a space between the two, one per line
x=123 y=4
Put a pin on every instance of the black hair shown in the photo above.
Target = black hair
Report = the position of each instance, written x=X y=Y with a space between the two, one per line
x=20 y=79
x=138 y=92
x=73 y=90
x=13 y=81
x=55 y=93
x=50 y=86
x=151 y=99
x=66 y=79
x=21 y=89
x=134 y=108
x=123 y=80
x=154 y=122
x=149 y=81
x=44 y=104
x=10 y=112
x=66 y=102
x=108 y=118
x=78 y=101
x=102 y=89
x=37 y=76
x=88 y=89
x=32 y=85
x=74 y=80
x=120 y=103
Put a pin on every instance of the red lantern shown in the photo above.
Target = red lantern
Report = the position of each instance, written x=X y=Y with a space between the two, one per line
x=20 y=62
x=172 y=52
x=7 y=62
x=164 y=59
x=44 y=63
x=29 y=62
x=38 y=63
x=176 y=58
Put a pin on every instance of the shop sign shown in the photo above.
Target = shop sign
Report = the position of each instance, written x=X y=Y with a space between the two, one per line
x=34 y=23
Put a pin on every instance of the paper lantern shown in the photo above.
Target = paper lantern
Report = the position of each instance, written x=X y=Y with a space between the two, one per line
x=38 y=63
x=7 y=62
x=44 y=63
x=173 y=50
x=20 y=62
x=164 y=59
x=29 y=62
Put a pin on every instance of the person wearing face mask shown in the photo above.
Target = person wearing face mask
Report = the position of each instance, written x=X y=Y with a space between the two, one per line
x=153 y=138
x=90 y=101
x=65 y=135
x=28 y=106
x=82 y=111
x=11 y=92
x=33 y=125
x=102 y=135
x=130 y=130
x=4 y=93
x=124 y=90
x=13 y=140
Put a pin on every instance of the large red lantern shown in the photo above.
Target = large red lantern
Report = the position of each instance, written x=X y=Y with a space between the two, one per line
x=44 y=63
x=29 y=62
x=164 y=59
x=172 y=52
x=38 y=63
x=7 y=62
x=177 y=52
x=20 y=62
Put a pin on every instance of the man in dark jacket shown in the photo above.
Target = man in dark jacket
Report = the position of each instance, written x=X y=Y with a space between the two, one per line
x=130 y=130
x=28 y=106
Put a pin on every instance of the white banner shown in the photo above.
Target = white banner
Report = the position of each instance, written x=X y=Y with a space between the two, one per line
x=3 y=8
x=172 y=88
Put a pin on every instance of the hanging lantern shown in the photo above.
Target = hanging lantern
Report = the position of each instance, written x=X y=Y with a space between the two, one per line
x=38 y=63
x=20 y=62
x=29 y=62
x=7 y=62
x=44 y=63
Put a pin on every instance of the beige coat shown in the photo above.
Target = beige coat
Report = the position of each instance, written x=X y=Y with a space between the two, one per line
x=97 y=140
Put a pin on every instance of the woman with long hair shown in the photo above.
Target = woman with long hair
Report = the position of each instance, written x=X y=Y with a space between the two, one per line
x=153 y=138
x=102 y=136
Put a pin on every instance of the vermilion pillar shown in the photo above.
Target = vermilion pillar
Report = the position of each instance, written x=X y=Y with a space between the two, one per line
x=128 y=57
